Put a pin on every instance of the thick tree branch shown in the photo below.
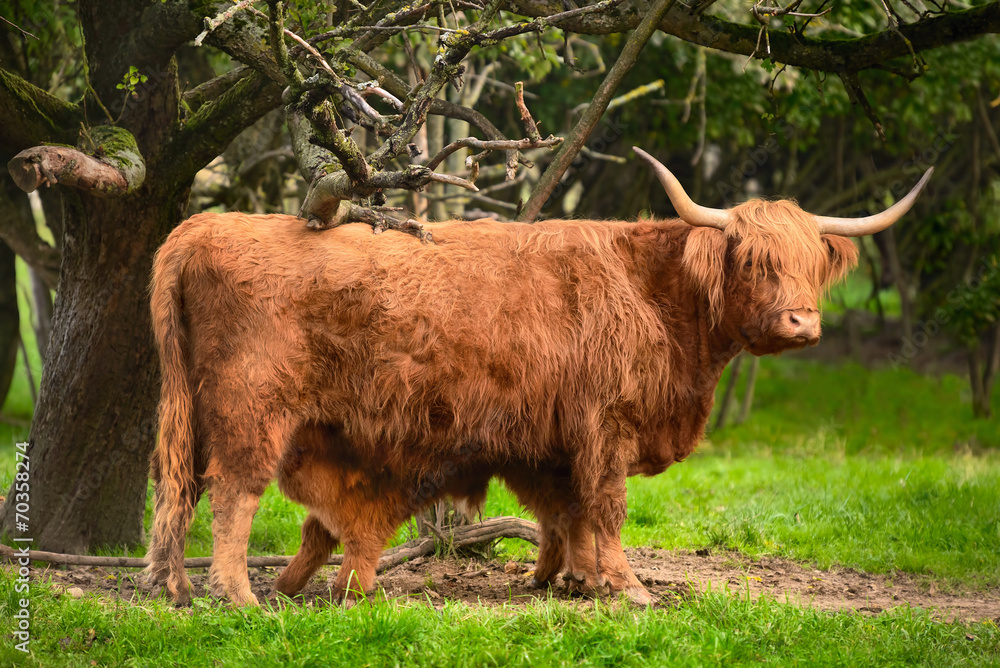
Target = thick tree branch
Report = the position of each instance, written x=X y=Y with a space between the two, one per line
x=825 y=55
x=210 y=90
x=116 y=168
x=567 y=153
x=32 y=116
x=18 y=231
x=209 y=130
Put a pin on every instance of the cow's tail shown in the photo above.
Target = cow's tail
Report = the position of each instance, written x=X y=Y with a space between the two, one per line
x=173 y=461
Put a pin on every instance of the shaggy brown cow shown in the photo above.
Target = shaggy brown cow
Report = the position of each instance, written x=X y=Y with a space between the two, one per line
x=589 y=346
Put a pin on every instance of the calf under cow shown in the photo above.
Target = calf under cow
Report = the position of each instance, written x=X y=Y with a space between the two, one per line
x=373 y=374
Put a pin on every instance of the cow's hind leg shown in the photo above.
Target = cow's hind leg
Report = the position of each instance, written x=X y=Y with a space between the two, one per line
x=237 y=477
x=233 y=510
x=317 y=544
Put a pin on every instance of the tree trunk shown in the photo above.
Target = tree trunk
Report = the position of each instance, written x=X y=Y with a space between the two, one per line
x=41 y=302
x=727 y=398
x=9 y=319
x=982 y=376
x=980 y=402
x=95 y=424
x=905 y=302
x=747 y=402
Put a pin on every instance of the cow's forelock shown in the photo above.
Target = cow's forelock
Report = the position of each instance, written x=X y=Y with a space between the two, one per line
x=780 y=246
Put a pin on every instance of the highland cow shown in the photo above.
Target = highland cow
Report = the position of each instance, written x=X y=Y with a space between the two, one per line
x=590 y=348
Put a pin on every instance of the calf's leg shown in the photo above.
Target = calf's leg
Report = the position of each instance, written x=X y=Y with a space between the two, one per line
x=317 y=544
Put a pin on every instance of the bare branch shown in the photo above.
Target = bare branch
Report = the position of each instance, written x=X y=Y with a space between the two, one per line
x=857 y=95
x=530 y=127
x=578 y=136
x=452 y=180
x=385 y=95
x=483 y=532
x=490 y=145
x=212 y=24
x=116 y=171
x=23 y=31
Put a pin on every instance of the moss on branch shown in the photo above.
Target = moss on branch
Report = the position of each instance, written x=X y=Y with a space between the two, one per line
x=208 y=131
x=32 y=116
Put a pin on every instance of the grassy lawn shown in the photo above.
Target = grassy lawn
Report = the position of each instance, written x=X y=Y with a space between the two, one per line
x=712 y=629
x=839 y=465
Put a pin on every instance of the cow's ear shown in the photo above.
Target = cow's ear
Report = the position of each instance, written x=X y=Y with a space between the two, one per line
x=705 y=262
x=843 y=257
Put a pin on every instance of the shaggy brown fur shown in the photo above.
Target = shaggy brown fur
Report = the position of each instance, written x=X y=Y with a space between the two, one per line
x=361 y=502
x=579 y=346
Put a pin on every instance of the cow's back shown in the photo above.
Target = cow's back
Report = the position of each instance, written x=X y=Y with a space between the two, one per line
x=511 y=336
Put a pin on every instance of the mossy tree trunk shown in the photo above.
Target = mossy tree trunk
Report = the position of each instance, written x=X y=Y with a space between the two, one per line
x=95 y=422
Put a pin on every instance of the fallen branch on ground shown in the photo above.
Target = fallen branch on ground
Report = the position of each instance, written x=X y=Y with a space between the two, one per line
x=486 y=531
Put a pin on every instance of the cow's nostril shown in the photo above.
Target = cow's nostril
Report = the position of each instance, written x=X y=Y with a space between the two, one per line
x=794 y=319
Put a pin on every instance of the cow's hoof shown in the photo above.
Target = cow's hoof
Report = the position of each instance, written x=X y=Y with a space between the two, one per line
x=539 y=584
x=182 y=599
x=581 y=584
x=155 y=576
x=638 y=596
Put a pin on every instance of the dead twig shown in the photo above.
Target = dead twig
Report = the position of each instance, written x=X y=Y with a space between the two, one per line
x=23 y=31
x=857 y=95
x=212 y=24
x=492 y=145
x=530 y=127
x=486 y=531
x=763 y=13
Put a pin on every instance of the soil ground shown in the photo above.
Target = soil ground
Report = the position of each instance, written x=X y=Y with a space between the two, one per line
x=670 y=576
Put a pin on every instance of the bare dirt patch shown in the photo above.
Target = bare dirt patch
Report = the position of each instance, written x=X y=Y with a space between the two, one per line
x=671 y=576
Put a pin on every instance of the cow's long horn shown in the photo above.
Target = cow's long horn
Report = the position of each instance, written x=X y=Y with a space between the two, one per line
x=690 y=213
x=859 y=227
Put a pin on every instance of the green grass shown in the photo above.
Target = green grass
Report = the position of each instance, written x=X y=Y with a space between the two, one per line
x=717 y=628
x=934 y=516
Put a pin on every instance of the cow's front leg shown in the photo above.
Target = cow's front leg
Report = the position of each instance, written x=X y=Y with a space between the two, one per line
x=607 y=509
x=581 y=560
x=364 y=535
